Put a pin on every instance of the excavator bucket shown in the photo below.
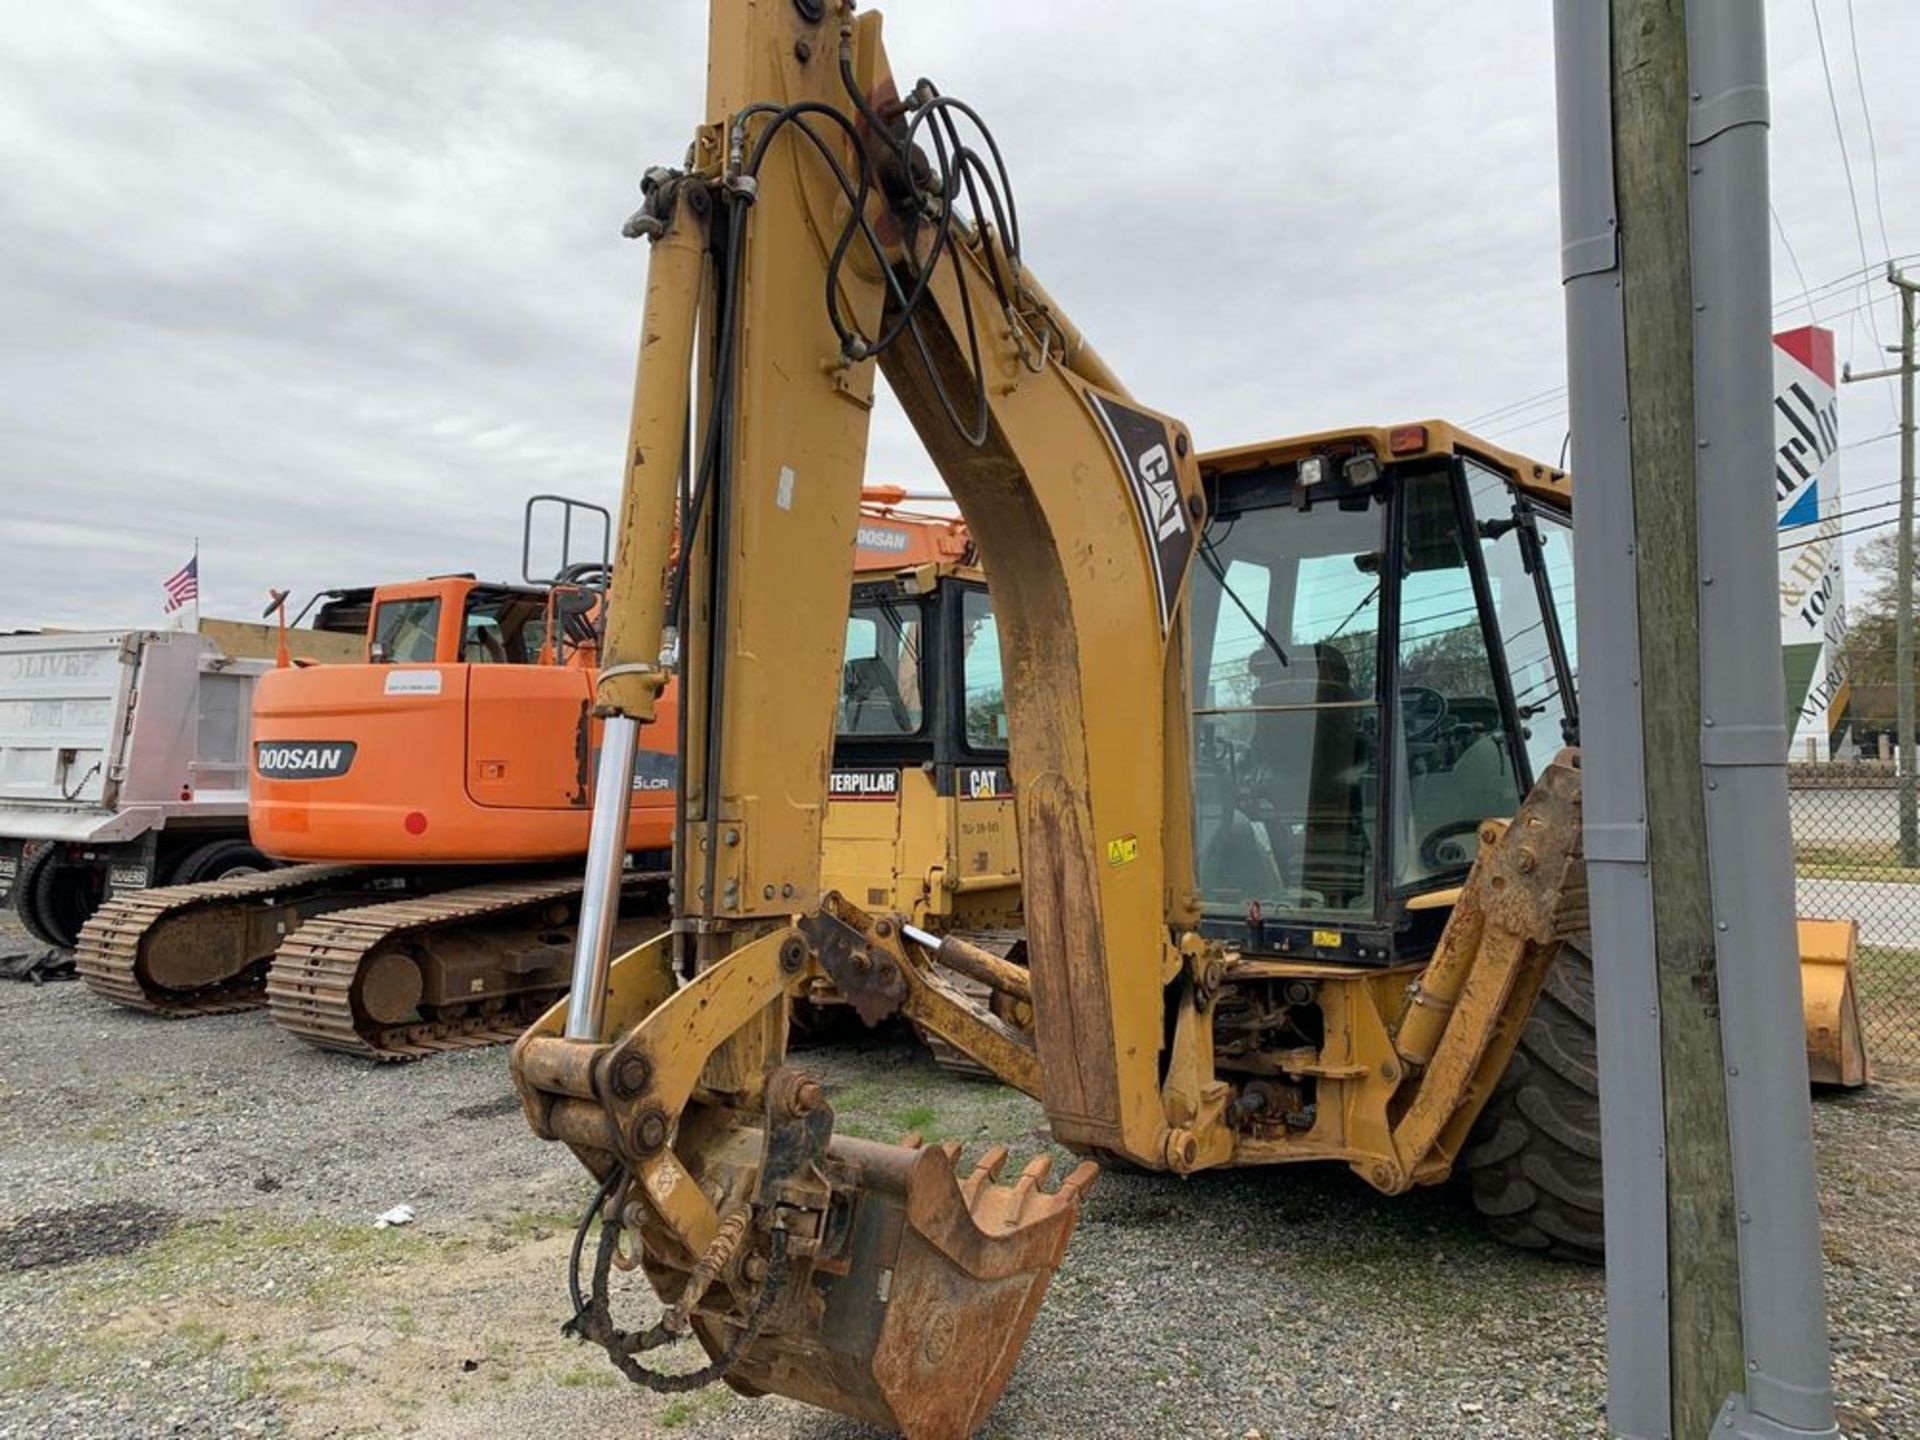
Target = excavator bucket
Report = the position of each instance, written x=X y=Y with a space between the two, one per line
x=1836 y=1048
x=916 y=1324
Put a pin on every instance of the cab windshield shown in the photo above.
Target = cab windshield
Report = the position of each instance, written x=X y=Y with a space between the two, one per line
x=1286 y=622
x=1352 y=726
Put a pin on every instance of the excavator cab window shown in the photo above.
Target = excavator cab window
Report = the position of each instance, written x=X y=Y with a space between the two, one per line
x=1286 y=780
x=407 y=632
x=984 y=695
x=503 y=627
x=880 y=680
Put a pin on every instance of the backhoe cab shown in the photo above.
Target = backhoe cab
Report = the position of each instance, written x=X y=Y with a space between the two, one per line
x=1383 y=659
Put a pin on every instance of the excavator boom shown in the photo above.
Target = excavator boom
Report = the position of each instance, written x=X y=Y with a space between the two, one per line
x=878 y=1281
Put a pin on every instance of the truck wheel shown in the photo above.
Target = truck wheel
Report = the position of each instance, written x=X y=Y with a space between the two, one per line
x=217 y=858
x=54 y=899
x=1533 y=1158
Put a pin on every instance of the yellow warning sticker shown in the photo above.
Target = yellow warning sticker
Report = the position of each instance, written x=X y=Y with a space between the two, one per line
x=1123 y=851
x=1327 y=939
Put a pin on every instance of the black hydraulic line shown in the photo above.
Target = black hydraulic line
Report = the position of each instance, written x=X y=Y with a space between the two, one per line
x=593 y=1314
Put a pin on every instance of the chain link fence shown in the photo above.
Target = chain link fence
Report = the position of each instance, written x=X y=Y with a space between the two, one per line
x=1849 y=864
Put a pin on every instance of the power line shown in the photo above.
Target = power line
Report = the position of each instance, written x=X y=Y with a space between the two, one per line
x=1509 y=414
x=1847 y=279
x=1856 y=530
x=1866 y=111
x=1780 y=229
x=1846 y=160
x=1873 y=440
x=1525 y=404
x=1837 y=515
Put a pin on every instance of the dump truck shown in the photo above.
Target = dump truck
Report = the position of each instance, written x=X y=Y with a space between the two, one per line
x=123 y=763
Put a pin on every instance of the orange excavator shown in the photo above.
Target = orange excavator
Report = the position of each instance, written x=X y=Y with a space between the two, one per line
x=434 y=800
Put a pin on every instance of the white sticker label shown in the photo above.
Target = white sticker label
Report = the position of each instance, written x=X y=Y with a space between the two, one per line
x=783 y=492
x=413 y=682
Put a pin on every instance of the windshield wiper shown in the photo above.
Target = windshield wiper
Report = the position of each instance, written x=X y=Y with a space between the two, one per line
x=1220 y=574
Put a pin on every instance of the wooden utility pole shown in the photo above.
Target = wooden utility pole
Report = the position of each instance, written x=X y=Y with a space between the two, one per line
x=1903 y=599
x=1651 y=112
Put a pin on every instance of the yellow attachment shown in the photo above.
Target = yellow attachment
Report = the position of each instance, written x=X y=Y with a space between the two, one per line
x=870 y=1279
x=1836 y=1049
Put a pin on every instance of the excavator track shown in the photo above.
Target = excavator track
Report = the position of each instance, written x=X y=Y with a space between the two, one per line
x=113 y=950
x=317 y=984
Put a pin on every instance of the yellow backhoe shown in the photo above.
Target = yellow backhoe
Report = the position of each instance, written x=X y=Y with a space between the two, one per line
x=826 y=225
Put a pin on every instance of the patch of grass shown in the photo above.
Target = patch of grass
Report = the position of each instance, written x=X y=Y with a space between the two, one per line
x=77 y=1364
x=1854 y=860
x=199 y=1337
x=537 y=1225
x=918 y=1117
x=233 y=1254
x=30 y=1367
x=251 y=1379
x=1889 y=986
x=587 y=1377
x=686 y=1409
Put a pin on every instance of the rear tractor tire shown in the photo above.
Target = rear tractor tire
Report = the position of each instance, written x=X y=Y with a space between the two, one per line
x=1533 y=1158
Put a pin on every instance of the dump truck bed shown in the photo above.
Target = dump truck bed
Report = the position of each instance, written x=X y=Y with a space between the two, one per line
x=107 y=734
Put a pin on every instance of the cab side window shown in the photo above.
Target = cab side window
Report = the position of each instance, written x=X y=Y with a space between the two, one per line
x=407 y=632
x=985 y=695
x=1516 y=608
x=1454 y=763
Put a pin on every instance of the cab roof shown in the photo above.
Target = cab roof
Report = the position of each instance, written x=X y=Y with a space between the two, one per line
x=1397 y=445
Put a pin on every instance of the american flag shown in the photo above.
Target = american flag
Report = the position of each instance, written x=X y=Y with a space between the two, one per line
x=183 y=585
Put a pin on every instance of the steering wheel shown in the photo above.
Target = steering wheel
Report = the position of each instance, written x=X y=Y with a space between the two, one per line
x=1423 y=711
x=1437 y=854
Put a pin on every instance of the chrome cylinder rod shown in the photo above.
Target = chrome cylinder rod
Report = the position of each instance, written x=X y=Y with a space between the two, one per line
x=606 y=857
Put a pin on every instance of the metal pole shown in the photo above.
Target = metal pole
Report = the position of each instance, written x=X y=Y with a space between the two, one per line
x=1903 y=604
x=1784 y=1385
x=1909 y=790
x=606 y=857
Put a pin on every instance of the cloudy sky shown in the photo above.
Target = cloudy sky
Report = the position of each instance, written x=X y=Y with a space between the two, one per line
x=333 y=286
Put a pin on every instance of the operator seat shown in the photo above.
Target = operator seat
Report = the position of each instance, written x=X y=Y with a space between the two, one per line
x=870 y=700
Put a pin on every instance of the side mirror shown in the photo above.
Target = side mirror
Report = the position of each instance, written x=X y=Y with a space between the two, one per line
x=377 y=653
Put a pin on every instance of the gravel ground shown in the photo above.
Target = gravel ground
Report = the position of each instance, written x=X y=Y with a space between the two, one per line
x=187 y=1248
